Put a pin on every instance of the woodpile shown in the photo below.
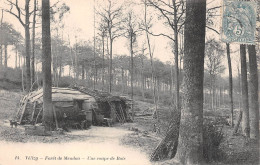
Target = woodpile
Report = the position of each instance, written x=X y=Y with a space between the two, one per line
x=167 y=148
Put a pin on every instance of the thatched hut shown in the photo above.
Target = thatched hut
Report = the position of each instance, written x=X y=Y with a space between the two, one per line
x=75 y=106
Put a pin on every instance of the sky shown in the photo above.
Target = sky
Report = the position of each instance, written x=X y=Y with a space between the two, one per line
x=80 y=22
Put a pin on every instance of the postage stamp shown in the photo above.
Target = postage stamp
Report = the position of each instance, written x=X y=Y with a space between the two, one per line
x=239 y=21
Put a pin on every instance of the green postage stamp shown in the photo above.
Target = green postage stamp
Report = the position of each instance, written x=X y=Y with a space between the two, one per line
x=239 y=21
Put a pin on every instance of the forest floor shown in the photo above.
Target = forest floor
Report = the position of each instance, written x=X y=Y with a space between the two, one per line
x=131 y=141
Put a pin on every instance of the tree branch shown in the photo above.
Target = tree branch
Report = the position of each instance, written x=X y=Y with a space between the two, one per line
x=158 y=35
x=18 y=16
x=212 y=29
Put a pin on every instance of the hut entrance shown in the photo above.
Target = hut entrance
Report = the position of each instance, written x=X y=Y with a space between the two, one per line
x=78 y=104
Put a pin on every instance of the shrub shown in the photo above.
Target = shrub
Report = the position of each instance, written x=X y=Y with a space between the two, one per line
x=212 y=138
x=166 y=99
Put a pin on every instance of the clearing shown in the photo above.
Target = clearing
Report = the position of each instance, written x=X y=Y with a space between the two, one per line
x=129 y=143
x=98 y=145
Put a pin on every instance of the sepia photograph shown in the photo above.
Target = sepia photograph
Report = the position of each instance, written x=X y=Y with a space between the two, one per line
x=129 y=82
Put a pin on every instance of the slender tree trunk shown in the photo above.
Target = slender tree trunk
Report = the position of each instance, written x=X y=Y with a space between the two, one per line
x=103 y=62
x=46 y=64
x=76 y=59
x=142 y=75
x=111 y=64
x=23 y=79
x=60 y=69
x=95 y=68
x=122 y=80
x=72 y=60
x=1 y=56
x=33 y=44
x=16 y=57
x=152 y=65
x=253 y=87
x=19 y=63
x=6 y=56
x=176 y=57
x=108 y=71
x=240 y=99
x=1 y=48
x=27 y=45
x=132 y=72
x=245 y=104
x=190 y=148
x=83 y=71
x=172 y=83
x=230 y=84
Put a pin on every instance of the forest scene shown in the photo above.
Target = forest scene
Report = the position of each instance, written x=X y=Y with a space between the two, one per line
x=144 y=81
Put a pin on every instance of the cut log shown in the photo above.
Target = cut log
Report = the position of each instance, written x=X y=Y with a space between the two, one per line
x=23 y=110
x=38 y=115
x=167 y=148
x=55 y=117
x=34 y=108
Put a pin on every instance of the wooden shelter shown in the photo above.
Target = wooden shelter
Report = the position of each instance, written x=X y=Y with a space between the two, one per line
x=75 y=106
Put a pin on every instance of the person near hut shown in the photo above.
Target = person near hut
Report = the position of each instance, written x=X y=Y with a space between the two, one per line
x=65 y=122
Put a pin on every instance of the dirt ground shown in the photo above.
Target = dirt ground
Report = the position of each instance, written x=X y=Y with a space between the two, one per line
x=129 y=143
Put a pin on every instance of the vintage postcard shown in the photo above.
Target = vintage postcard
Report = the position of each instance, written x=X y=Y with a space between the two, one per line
x=129 y=82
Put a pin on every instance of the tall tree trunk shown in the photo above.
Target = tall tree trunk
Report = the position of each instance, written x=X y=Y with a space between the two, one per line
x=76 y=59
x=1 y=56
x=103 y=62
x=16 y=57
x=6 y=56
x=151 y=62
x=27 y=45
x=132 y=72
x=108 y=69
x=122 y=81
x=245 y=104
x=83 y=71
x=176 y=57
x=190 y=148
x=142 y=75
x=46 y=66
x=95 y=67
x=72 y=59
x=230 y=84
x=23 y=78
x=253 y=87
x=110 y=64
x=19 y=63
x=172 y=83
x=33 y=44
x=240 y=99
x=60 y=69
x=1 y=48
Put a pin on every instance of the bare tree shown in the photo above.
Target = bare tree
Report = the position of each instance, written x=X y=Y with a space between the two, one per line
x=102 y=32
x=214 y=53
x=147 y=25
x=26 y=24
x=46 y=66
x=132 y=29
x=112 y=14
x=174 y=19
